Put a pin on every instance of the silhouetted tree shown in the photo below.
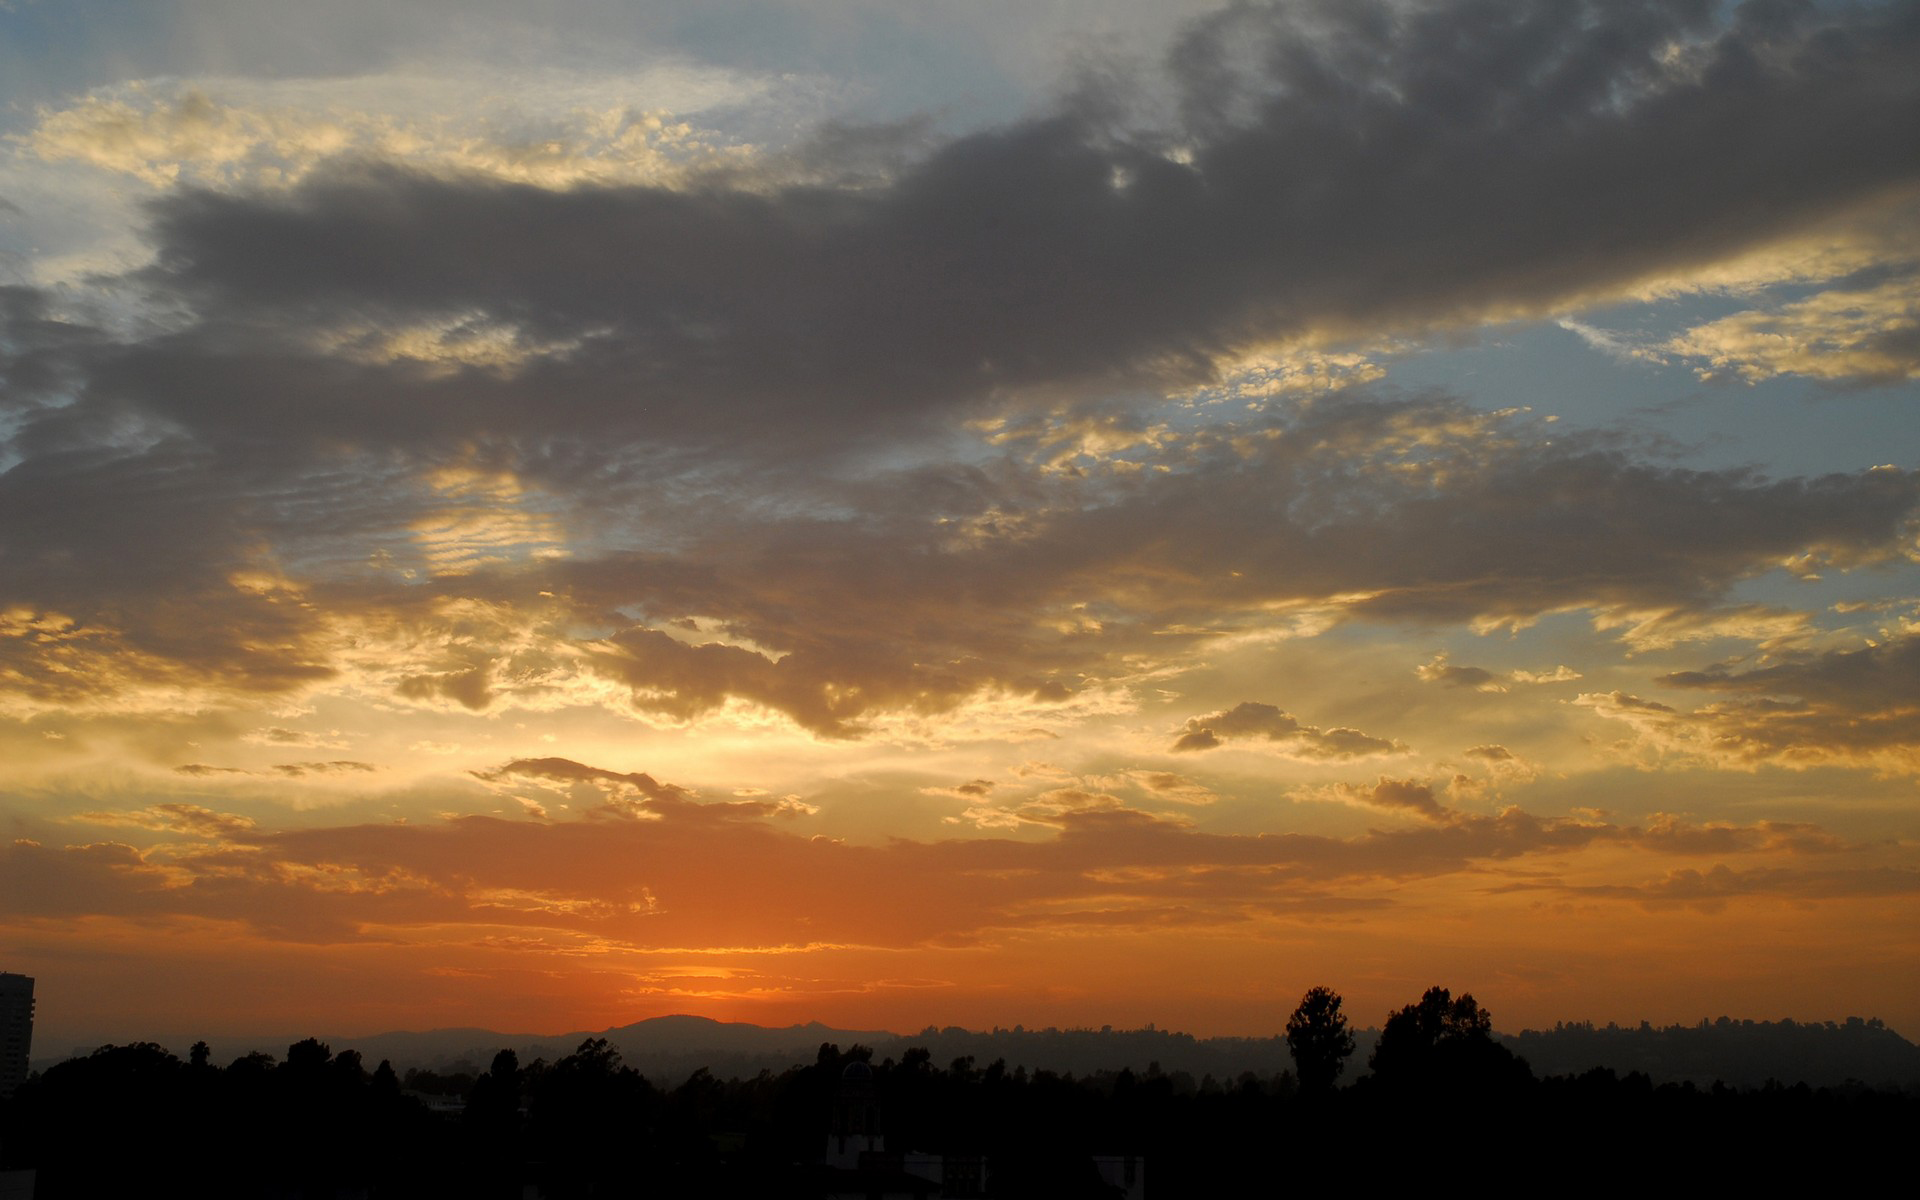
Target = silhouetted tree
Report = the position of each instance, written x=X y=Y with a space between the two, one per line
x=307 y=1058
x=1319 y=1039
x=254 y=1064
x=386 y=1084
x=583 y=1103
x=492 y=1122
x=96 y=1125
x=1441 y=1040
x=349 y=1068
x=495 y=1098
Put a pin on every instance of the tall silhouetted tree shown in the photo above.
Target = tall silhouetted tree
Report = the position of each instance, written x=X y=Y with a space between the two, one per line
x=1412 y=1035
x=1319 y=1039
x=580 y=1106
x=1445 y=1042
x=492 y=1121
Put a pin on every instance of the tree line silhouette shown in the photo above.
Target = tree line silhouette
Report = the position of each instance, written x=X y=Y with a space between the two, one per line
x=1442 y=1097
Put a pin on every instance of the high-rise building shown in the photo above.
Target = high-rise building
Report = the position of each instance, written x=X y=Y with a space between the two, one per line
x=16 y=1030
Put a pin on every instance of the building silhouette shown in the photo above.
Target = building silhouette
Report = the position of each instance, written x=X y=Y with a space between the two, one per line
x=855 y=1132
x=16 y=1030
x=858 y=1165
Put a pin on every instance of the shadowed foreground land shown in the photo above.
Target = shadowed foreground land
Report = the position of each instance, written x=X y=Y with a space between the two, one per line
x=131 y=1117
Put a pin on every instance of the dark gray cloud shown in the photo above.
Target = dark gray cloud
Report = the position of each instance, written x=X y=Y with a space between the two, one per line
x=1879 y=676
x=1839 y=707
x=565 y=771
x=1846 y=707
x=1442 y=671
x=336 y=766
x=1255 y=720
x=1370 y=169
x=1400 y=795
x=938 y=583
x=741 y=398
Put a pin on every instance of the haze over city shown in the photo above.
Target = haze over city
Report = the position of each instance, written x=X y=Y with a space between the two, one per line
x=905 y=514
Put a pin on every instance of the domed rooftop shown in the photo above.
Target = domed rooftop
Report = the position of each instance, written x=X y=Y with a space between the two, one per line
x=856 y=1071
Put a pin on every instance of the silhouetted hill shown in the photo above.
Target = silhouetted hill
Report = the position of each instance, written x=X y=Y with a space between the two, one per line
x=1738 y=1053
x=672 y=1048
x=660 y=1047
x=669 y=1049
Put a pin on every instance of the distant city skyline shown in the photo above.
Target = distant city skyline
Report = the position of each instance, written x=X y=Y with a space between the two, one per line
x=925 y=514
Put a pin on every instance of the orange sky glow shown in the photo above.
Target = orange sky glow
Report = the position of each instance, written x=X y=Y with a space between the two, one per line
x=1109 y=516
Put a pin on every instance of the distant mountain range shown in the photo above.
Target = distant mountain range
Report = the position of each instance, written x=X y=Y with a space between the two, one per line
x=668 y=1049
x=1739 y=1053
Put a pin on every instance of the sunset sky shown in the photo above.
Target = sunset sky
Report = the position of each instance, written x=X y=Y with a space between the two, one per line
x=543 y=514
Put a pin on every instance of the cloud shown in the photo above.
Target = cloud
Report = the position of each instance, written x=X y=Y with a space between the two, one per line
x=1253 y=719
x=253 y=133
x=294 y=770
x=803 y=462
x=1165 y=785
x=867 y=309
x=336 y=767
x=1441 y=671
x=561 y=774
x=279 y=735
x=1354 y=509
x=1605 y=341
x=972 y=790
x=1389 y=795
x=190 y=819
x=1840 y=708
x=1501 y=763
x=1662 y=629
x=1858 y=337
x=680 y=681
x=1064 y=796
x=1884 y=676
x=730 y=874
x=1262 y=376
x=793 y=807
x=634 y=795
x=1560 y=674
x=467 y=688
x=1710 y=890
x=889 y=465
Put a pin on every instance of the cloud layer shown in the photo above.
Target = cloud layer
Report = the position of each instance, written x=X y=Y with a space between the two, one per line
x=1158 y=510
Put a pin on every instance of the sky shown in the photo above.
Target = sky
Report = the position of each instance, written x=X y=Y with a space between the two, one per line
x=539 y=515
